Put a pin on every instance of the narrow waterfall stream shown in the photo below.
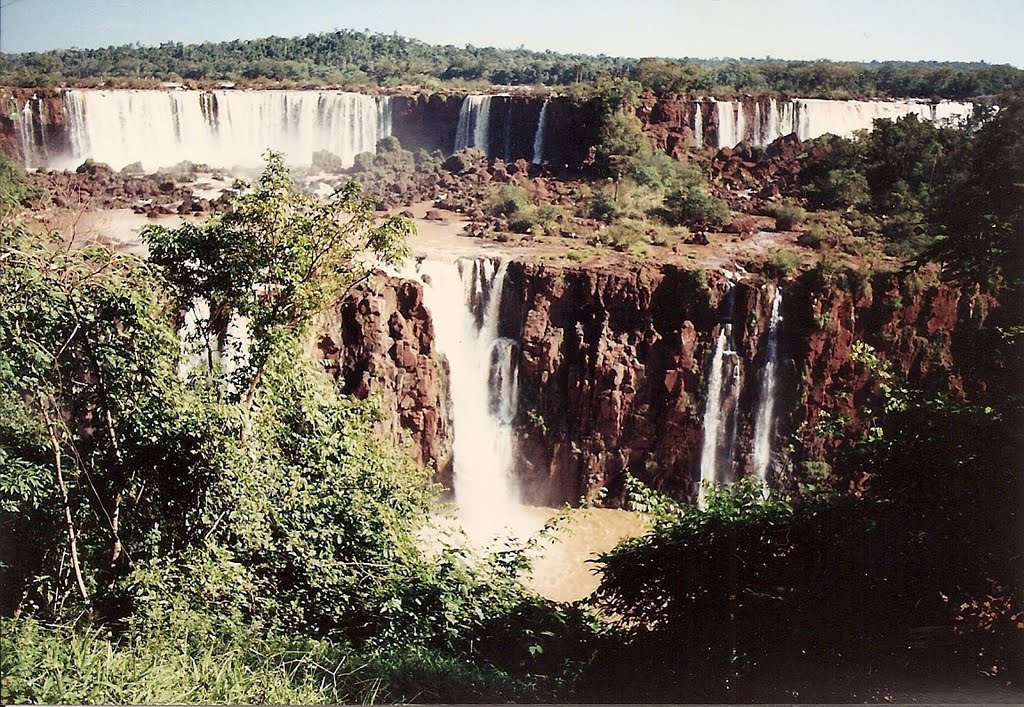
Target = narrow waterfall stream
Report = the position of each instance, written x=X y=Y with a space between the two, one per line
x=698 y=127
x=712 y=415
x=538 y=138
x=765 y=423
x=464 y=298
x=721 y=413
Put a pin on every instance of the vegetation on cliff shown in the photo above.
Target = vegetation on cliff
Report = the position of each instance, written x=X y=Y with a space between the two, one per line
x=355 y=59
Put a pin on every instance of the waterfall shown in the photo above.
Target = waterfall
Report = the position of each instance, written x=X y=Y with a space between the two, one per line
x=726 y=124
x=712 y=415
x=225 y=128
x=813 y=117
x=195 y=346
x=538 y=137
x=721 y=413
x=765 y=421
x=698 y=127
x=464 y=299
x=843 y=118
x=473 y=129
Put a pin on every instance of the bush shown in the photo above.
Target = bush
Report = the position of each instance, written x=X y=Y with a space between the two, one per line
x=782 y=264
x=788 y=216
x=693 y=206
x=813 y=237
x=507 y=200
x=604 y=207
x=524 y=221
x=13 y=188
x=842 y=188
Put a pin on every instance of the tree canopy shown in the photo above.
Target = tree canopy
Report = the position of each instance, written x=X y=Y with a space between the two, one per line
x=356 y=59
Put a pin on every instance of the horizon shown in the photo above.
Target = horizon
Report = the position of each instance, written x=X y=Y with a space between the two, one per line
x=970 y=31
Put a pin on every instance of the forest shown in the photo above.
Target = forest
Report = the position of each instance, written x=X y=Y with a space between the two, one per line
x=354 y=59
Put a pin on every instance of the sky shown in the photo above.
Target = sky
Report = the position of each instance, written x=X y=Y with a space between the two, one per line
x=857 y=30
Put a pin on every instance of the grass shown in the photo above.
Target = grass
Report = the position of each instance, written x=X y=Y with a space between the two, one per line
x=55 y=665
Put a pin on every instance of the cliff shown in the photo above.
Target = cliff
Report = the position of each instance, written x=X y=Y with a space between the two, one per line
x=612 y=364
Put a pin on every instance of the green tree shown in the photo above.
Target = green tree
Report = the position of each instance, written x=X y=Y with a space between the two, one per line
x=276 y=260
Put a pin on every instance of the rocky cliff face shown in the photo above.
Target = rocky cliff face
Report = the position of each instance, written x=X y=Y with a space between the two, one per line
x=46 y=120
x=612 y=364
x=379 y=341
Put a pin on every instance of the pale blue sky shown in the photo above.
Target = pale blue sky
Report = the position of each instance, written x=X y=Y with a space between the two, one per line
x=964 y=30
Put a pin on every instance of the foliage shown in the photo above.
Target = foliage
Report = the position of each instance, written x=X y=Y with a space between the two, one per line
x=782 y=263
x=944 y=193
x=981 y=203
x=359 y=59
x=13 y=188
x=692 y=205
x=621 y=146
x=84 y=666
x=235 y=507
x=788 y=216
x=276 y=259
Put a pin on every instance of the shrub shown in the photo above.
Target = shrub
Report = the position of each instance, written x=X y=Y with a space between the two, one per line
x=782 y=264
x=788 y=216
x=693 y=206
x=842 y=188
x=813 y=237
x=507 y=200
x=604 y=207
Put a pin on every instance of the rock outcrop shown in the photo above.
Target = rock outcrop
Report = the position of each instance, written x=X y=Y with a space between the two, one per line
x=379 y=341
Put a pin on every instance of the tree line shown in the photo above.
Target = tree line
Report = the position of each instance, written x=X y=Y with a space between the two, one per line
x=363 y=59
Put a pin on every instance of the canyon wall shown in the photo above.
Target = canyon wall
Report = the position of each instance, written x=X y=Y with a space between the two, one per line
x=612 y=367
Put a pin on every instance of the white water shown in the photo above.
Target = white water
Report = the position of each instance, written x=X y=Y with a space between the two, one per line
x=538 y=138
x=464 y=299
x=200 y=346
x=698 y=127
x=712 y=415
x=473 y=129
x=219 y=128
x=813 y=117
x=765 y=422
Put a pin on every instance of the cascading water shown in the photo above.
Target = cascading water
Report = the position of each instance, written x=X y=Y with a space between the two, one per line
x=219 y=128
x=473 y=129
x=813 y=117
x=464 y=299
x=726 y=112
x=698 y=126
x=712 y=415
x=765 y=422
x=720 y=410
x=538 y=138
